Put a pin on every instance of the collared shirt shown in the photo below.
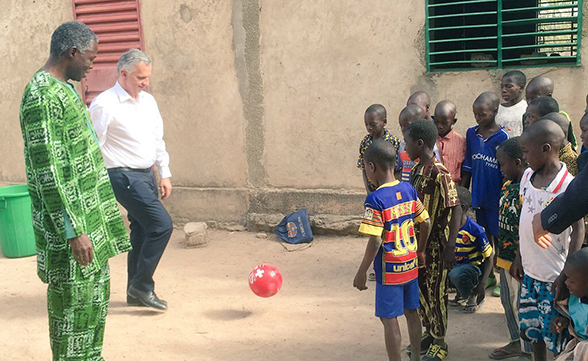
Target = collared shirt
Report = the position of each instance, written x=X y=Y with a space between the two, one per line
x=452 y=148
x=390 y=213
x=69 y=186
x=544 y=265
x=130 y=131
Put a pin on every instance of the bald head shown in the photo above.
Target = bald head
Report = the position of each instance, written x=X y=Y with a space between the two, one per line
x=488 y=99
x=560 y=120
x=409 y=114
x=579 y=260
x=422 y=99
x=544 y=132
x=539 y=87
x=446 y=109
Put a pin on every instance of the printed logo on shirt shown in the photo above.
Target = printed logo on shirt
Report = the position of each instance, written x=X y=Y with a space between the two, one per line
x=398 y=196
x=369 y=214
x=488 y=161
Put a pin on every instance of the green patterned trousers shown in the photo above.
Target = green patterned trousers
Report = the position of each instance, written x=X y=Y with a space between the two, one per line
x=77 y=315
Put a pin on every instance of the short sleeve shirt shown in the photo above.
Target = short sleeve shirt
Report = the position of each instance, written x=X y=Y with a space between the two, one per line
x=481 y=162
x=390 y=213
x=508 y=224
x=472 y=245
x=369 y=139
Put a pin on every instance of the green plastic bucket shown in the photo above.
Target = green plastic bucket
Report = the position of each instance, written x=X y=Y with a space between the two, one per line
x=17 y=238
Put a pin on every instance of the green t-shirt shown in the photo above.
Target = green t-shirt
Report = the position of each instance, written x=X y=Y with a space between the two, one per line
x=508 y=224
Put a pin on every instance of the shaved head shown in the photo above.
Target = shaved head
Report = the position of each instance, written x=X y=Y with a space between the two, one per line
x=489 y=99
x=411 y=112
x=579 y=260
x=538 y=87
x=446 y=108
x=545 y=132
x=422 y=99
x=560 y=120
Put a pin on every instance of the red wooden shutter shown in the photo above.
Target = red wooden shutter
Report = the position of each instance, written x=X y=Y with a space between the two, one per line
x=118 y=26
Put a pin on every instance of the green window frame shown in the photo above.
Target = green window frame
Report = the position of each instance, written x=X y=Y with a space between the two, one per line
x=498 y=34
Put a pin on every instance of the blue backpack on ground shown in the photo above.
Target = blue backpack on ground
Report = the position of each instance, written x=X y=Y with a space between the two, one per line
x=295 y=228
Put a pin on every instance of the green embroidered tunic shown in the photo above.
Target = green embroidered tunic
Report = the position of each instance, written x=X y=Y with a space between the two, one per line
x=69 y=186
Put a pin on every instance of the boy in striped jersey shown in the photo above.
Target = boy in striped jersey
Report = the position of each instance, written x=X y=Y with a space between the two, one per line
x=473 y=258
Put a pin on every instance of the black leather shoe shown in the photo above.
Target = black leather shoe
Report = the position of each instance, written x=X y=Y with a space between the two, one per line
x=132 y=301
x=147 y=298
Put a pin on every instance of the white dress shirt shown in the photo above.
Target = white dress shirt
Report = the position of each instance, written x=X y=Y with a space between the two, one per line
x=130 y=131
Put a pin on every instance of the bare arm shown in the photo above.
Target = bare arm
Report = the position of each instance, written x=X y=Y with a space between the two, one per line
x=424 y=230
x=371 y=251
x=454 y=225
x=488 y=264
x=466 y=177
x=577 y=237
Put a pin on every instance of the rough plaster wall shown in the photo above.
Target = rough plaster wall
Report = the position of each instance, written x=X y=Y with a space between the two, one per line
x=25 y=36
x=195 y=83
x=323 y=64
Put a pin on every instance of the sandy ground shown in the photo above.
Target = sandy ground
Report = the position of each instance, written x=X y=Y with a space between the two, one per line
x=213 y=314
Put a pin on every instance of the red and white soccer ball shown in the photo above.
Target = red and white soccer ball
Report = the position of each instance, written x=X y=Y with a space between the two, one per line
x=265 y=280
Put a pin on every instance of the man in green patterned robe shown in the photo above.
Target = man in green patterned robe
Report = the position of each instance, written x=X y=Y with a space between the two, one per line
x=77 y=223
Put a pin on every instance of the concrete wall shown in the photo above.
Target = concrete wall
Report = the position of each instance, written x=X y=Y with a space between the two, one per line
x=263 y=100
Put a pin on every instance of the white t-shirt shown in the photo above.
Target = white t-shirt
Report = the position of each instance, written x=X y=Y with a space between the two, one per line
x=511 y=118
x=542 y=264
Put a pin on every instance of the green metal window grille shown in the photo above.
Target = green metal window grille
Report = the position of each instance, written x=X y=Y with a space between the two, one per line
x=497 y=34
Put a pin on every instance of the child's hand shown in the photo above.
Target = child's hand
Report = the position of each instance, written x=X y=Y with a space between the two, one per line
x=516 y=269
x=541 y=236
x=558 y=324
x=448 y=257
x=360 y=281
x=422 y=259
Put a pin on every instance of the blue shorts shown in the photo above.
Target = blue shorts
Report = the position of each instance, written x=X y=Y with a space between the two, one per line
x=392 y=300
x=535 y=313
x=487 y=219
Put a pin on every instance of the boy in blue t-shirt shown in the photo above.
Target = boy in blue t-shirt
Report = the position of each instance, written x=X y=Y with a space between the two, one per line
x=473 y=258
x=574 y=310
x=480 y=166
x=390 y=213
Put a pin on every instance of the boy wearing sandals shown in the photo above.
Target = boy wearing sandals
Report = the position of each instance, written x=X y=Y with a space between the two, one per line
x=473 y=258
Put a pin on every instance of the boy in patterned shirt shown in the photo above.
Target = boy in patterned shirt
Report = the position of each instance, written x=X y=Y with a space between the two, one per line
x=473 y=258
x=390 y=213
x=512 y=165
x=436 y=191
x=542 y=263
x=375 y=120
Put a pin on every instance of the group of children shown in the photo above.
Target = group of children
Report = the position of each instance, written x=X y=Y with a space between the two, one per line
x=519 y=157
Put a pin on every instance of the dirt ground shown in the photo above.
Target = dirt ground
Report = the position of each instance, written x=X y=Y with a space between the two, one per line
x=213 y=314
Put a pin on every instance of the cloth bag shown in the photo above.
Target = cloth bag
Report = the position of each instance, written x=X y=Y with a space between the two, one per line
x=295 y=228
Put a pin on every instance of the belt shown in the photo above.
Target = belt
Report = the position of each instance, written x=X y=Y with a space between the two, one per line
x=126 y=169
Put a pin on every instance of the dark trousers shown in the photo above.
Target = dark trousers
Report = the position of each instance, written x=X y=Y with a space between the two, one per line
x=465 y=277
x=151 y=225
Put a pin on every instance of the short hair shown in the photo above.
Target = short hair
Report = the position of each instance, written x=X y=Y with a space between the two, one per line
x=518 y=77
x=464 y=196
x=130 y=58
x=541 y=85
x=381 y=153
x=512 y=148
x=423 y=129
x=72 y=34
x=560 y=120
x=379 y=109
x=579 y=260
x=419 y=98
x=488 y=98
x=545 y=131
x=412 y=112
x=582 y=160
x=445 y=107
x=545 y=105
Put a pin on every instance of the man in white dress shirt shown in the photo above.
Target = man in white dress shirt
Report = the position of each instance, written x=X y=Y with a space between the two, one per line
x=130 y=132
